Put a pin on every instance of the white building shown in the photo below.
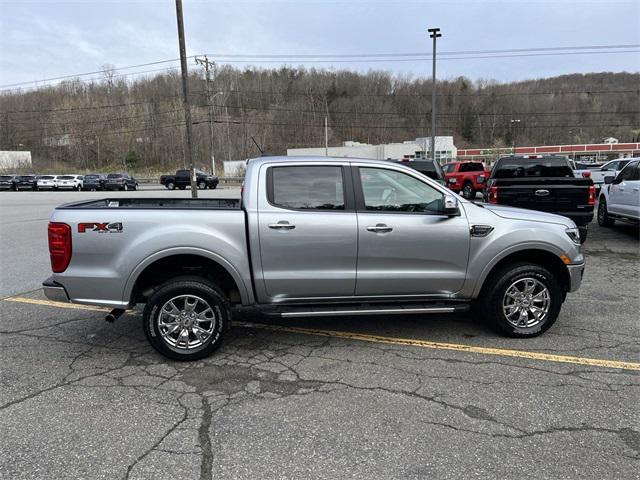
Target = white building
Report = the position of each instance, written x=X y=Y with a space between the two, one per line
x=14 y=159
x=418 y=148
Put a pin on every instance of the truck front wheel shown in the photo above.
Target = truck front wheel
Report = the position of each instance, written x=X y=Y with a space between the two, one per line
x=522 y=300
x=186 y=318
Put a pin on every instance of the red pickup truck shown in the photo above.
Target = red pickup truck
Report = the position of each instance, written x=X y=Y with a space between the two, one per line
x=462 y=177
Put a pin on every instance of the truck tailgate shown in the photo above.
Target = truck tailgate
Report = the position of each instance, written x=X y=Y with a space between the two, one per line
x=547 y=195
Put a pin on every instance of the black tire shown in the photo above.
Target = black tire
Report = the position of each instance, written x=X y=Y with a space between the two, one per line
x=468 y=192
x=135 y=187
x=194 y=286
x=494 y=292
x=125 y=187
x=604 y=220
x=171 y=185
x=213 y=186
x=202 y=185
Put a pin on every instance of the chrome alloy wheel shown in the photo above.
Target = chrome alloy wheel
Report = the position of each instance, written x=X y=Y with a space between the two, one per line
x=526 y=303
x=186 y=322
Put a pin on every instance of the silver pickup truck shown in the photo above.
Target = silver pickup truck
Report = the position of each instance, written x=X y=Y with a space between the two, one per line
x=312 y=236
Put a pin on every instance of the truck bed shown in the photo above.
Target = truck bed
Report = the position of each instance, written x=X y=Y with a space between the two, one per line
x=157 y=203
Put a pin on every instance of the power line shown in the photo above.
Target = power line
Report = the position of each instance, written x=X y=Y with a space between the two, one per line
x=427 y=58
x=576 y=49
x=422 y=54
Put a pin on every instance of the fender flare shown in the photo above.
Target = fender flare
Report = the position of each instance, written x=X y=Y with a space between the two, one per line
x=135 y=273
x=542 y=246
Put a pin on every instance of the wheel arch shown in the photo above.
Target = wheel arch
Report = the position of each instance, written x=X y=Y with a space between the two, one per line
x=176 y=262
x=538 y=256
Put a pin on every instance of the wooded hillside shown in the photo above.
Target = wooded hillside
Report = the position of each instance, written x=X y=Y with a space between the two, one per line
x=112 y=123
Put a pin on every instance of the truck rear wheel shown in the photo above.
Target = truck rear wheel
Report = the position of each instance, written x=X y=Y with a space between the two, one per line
x=522 y=300
x=468 y=192
x=186 y=318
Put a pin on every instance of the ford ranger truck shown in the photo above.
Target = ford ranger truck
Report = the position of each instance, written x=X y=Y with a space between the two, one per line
x=312 y=237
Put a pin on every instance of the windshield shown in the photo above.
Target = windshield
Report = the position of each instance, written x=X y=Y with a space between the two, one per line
x=532 y=167
x=114 y=175
x=47 y=177
x=91 y=177
x=66 y=177
x=5 y=177
x=26 y=177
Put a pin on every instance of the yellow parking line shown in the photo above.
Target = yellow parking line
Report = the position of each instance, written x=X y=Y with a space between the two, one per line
x=50 y=303
x=594 y=362
x=547 y=357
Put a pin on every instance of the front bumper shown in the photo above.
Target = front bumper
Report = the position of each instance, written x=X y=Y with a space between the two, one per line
x=576 y=272
x=54 y=291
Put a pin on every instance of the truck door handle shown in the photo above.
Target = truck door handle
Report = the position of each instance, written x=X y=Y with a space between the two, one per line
x=380 y=228
x=282 y=225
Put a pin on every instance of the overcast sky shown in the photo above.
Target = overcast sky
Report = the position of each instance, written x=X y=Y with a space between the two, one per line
x=42 y=39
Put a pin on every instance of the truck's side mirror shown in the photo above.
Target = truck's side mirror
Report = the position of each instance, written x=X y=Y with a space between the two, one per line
x=609 y=179
x=450 y=206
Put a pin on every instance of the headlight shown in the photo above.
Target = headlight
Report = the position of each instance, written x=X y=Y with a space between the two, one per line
x=574 y=235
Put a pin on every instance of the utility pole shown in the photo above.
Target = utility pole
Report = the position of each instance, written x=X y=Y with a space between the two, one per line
x=435 y=34
x=326 y=137
x=514 y=129
x=185 y=94
x=205 y=62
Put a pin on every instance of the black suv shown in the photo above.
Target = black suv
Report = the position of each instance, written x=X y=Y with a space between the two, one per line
x=427 y=167
x=26 y=182
x=8 y=182
x=120 y=181
x=94 y=181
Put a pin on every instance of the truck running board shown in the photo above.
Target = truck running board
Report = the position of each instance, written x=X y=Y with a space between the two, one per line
x=344 y=310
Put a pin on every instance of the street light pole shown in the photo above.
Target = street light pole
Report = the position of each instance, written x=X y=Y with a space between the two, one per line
x=185 y=94
x=433 y=33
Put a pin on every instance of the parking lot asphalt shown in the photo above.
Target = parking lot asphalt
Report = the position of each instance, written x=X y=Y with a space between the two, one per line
x=437 y=396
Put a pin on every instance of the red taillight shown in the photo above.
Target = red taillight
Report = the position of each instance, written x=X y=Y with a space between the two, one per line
x=493 y=194
x=586 y=174
x=59 y=246
x=591 y=200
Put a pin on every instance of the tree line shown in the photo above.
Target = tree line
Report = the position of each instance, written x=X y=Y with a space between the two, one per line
x=114 y=122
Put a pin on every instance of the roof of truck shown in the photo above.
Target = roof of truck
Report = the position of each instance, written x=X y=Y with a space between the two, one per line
x=319 y=158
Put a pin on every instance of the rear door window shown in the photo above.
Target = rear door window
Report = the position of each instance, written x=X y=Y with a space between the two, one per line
x=306 y=188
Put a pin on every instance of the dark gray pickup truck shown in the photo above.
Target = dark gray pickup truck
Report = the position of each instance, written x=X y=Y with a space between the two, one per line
x=546 y=184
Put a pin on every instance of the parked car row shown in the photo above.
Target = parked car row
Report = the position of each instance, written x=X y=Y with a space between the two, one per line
x=94 y=182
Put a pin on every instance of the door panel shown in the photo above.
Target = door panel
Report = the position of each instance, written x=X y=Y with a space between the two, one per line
x=405 y=247
x=423 y=254
x=308 y=233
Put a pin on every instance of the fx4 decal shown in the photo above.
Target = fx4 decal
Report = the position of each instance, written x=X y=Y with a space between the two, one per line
x=100 y=227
